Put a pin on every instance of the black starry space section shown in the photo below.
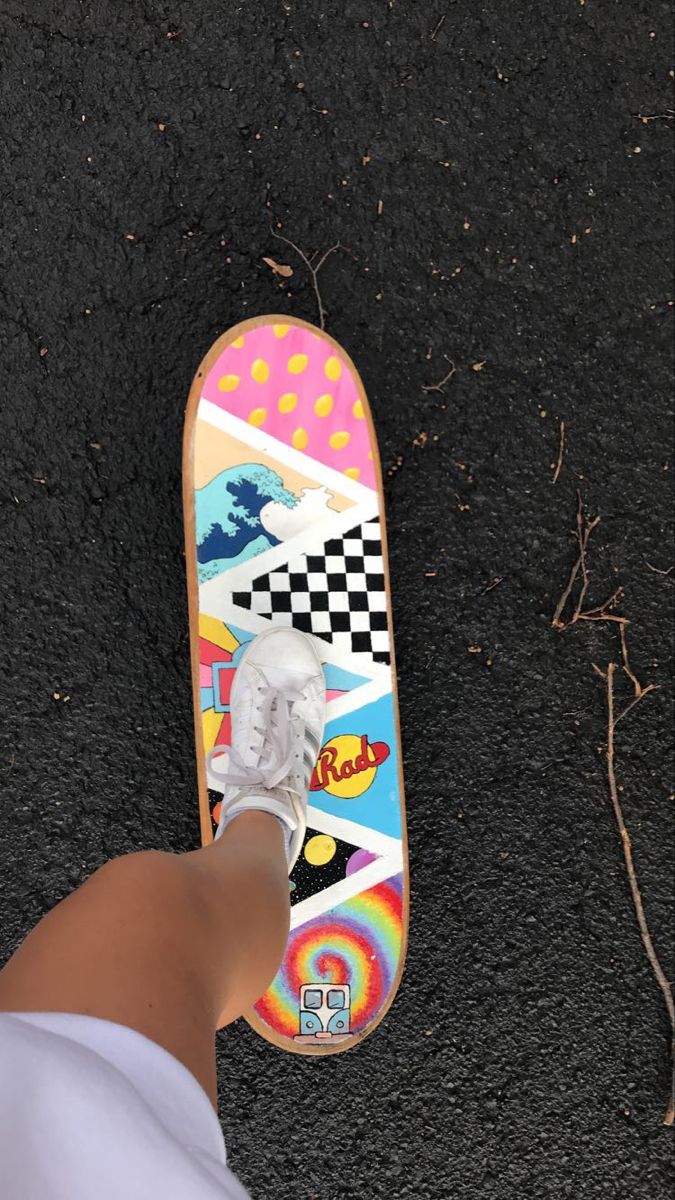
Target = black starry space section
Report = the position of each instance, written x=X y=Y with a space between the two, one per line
x=307 y=880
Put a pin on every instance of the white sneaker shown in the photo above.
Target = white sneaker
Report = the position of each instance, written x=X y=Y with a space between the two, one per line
x=278 y=706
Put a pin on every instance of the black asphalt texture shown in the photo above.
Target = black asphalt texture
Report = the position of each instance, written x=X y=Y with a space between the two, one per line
x=502 y=205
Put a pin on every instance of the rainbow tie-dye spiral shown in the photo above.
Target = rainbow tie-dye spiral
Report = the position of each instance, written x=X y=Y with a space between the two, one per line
x=357 y=943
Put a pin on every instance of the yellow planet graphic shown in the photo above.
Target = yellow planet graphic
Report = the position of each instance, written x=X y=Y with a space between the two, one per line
x=320 y=849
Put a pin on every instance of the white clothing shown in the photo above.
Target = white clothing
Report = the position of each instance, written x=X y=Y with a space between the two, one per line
x=92 y=1110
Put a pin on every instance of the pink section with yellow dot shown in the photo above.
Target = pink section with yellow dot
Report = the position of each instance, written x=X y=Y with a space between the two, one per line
x=293 y=384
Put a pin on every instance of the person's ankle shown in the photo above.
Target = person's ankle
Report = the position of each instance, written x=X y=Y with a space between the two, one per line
x=259 y=807
x=254 y=823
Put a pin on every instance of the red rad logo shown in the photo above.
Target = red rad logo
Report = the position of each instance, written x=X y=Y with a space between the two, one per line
x=348 y=765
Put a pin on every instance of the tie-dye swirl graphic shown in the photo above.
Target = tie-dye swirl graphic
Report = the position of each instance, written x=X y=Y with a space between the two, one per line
x=358 y=943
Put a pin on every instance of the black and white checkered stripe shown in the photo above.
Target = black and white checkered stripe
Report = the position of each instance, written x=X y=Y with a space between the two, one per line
x=339 y=594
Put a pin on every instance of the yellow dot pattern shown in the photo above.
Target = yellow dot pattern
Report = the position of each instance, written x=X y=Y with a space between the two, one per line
x=297 y=363
x=300 y=393
x=260 y=370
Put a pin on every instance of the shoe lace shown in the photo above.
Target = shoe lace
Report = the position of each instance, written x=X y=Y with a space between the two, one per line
x=274 y=723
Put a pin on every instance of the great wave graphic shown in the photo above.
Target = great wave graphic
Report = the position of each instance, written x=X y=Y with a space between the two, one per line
x=227 y=515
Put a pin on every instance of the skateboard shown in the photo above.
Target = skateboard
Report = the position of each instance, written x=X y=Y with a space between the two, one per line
x=284 y=525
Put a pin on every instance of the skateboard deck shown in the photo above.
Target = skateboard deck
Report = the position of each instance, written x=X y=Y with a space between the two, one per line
x=284 y=525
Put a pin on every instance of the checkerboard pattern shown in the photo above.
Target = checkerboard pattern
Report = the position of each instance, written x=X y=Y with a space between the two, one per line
x=338 y=595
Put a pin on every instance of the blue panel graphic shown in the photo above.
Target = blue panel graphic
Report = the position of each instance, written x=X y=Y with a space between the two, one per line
x=378 y=806
x=339 y=680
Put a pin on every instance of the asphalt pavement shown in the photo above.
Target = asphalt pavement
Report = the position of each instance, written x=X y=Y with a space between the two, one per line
x=499 y=178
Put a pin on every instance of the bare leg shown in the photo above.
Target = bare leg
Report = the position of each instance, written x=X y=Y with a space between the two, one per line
x=174 y=946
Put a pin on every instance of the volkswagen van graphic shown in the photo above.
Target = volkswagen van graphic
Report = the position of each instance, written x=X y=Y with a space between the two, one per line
x=324 y=1012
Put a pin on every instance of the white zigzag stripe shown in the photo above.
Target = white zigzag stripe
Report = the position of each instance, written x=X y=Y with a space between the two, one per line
x=258 y=439
x=353 y=885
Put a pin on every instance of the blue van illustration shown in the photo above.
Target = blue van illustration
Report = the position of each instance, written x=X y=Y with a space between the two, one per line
x=324 y=1012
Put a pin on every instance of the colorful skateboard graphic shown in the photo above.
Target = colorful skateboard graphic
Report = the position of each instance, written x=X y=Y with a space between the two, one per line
x=284 y=525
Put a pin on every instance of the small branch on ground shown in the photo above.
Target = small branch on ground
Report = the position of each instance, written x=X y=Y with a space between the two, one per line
x=659 y=974
x=637 y=687
x=657 y=571
x=561 y=453
x=647 y=117
x=583 y=533
x=313 y=268
x=493 y=583
x=438 y=387
x=583 y=529
x=437 y=28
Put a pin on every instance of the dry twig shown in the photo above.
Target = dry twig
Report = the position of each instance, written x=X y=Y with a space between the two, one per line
x=561 y=452
x=312 y=267
x=647 y=117
x=657 y=570
x=438 y=387
x=582 y=532
x=437 y=28
x=600 y=612
x=659 y=974
x=493 y=583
